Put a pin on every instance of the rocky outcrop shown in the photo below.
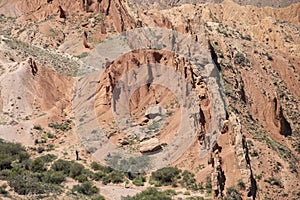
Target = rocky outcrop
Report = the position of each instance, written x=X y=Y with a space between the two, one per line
x=217 y=177
x=120 y=16
x=242 y=155
x=150 y=145
x=280 y=120
x=84 y=38
x=153 y=112
x=31 y=63
x=62 y=13
x=86 y=4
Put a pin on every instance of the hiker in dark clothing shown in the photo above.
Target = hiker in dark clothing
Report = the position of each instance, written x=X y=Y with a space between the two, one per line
x=77 y=157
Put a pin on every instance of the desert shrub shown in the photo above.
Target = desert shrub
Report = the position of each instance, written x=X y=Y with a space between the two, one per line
x=208 y=184
x=106 y=180
x=98 y=197
x=40 y=149
x=232 y=193
x=139 y=180
x=48 y=158
x=113 y=177
x=274 y=181
x=50 y=135
x=150 y=194
x=38 y=165
x=254 y=153
x=65 y=126
x=10 y=152
x=37 y=127
x=88 y=173
x=69 y=168
x=76 y=169
x=85 y=188
x=170 y=192
x=98 y=167
x=241 y=185
x=188 y=180
x=55 y=177
x=165 y=176
x=117 y=177
x=25 y=184
x=98 y=176
x=240 y=59
x=81 y=178
x=106 y=174
x=3 y=189
x=62 y=165
x=195 y=198
x=5 y=174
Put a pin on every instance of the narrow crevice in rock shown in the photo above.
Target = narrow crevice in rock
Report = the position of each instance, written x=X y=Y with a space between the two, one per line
x=214 y=55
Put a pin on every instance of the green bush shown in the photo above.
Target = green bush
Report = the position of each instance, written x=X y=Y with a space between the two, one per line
x=98 y=167
x=71 y=169
x=3 y=189
x=88 y=173
x=76 y=169
x=113 y=177
x=165 y=176
x=48 y=158
x=85 y=188
x=195 y=198
x=170 y=192
x=106 y=174
x=139 y=180
x=55 y=177
x=98 y=197
x=50 y=135
x=150 y=194
x=5 y=174
x=241 y=185
x=65 y=126
x=37 y=127
x=25 y=184
x=38 y=165
x=98 y=176
x=62 y=165
x=208 y=184
x=116 y=177
x=274 y=181
x=81 y=178
x=232 y=193
x=10 y=152
x=188 y=181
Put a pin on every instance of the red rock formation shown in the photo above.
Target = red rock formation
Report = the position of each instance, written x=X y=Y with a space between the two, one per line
x=120 y=16
x=84 y=37
x=33 y=66
x=62 y=13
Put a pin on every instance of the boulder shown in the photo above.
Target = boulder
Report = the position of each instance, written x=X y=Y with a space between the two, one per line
x=153 y=112
x=150 y=145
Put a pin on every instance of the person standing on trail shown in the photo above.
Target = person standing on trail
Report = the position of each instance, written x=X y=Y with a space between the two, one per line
x=77 y=157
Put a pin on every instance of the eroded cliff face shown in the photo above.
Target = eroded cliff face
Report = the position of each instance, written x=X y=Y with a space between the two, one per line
x=256 y=51
x=150 y=94
x=255 y=73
